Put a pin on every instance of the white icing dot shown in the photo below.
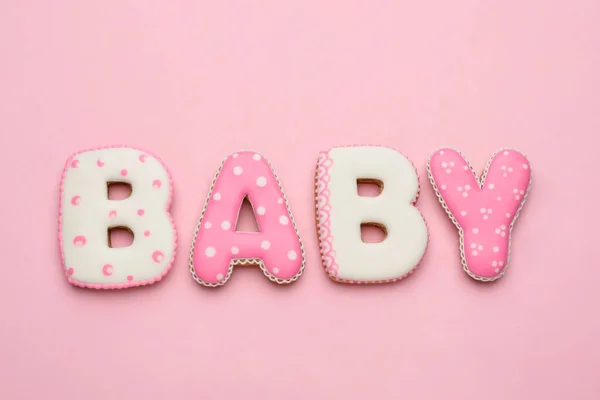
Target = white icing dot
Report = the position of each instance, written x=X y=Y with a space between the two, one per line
x=261 y=210
x=497 y=230
x=485 y=216
x=480 y=247
x=504 y=175
x=210 y=252
x=503 y=227
x=491 y=186
x=444 y=165
x=265 y=244
x=217 y=196
x=465 y=194
x=442 y=152
x=207 y=225
x=473 y=245
x=235 y=155
x=466 y=167
x=283 y=220
x=261 y=181
x=219 y=277
x=452 y=163
x=499 y=198
x=237 y=170
x=517 y=197
x=459 y=188
x=522 y=192
x=467 y=187
x=482 y=210
x=256 y=157
x=443 y=187
x=503 y=167
x=501 y=263
x=463 y=213
x=292 y=255
x=509 y=169
x=475 y=252
x=525 y=166
x=475 y=231
x=225 y=225
x=496 y=249
x=502 y=234
x=280 y=201
x=448 y=170
x=275 y=270
x=515 y=191
x=489 y=210
x=234 y=250
x=506 y=153
x=494 y=263
x=507 y=215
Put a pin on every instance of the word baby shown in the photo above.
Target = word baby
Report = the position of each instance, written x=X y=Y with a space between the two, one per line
x=484 y=211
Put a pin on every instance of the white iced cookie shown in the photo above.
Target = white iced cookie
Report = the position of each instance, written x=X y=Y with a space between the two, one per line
x=87 y=215
x=341 y=211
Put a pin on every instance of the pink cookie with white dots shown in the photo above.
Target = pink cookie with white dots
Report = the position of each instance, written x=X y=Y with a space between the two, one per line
x=87 y=215
x=277 y=249
x=483 y=209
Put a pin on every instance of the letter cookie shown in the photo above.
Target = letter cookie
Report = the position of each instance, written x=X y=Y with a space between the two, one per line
x=217 y=247
x=87 y=215
x=341 y=211
x=483 y=209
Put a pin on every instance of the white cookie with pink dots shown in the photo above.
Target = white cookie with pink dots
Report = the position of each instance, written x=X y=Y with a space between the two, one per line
x=217 y=247
x=87 y=214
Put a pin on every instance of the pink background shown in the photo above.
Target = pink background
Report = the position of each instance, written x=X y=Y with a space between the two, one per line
x=193 y=81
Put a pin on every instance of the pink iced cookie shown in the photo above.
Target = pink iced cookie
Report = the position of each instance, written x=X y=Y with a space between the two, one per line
x=483 y=209
x=87 y=214
x=217 y=247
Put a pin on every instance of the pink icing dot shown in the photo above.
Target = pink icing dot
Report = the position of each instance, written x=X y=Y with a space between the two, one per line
x=112 y=214
x=157 y=183
x=99 y=163
x=79 y=241
x=107 y=270
x=70 y=271
x=123 y=172
x=142 y=157
x=129 y=277
x=147 y=233
x=158 y=256
x=75 y=200
x=74 y=163
x=140 y=212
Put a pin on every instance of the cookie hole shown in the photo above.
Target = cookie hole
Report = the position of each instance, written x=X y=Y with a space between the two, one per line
x=246 y=221
x=118 y=190
x=369 y=187
x=119 y=236
x=371 y=232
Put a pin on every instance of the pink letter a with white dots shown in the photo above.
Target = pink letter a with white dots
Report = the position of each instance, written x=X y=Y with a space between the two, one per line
x=217 y=247
x=483 y=209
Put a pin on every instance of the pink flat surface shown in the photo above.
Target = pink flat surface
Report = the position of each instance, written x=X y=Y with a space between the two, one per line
x=192 y=81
